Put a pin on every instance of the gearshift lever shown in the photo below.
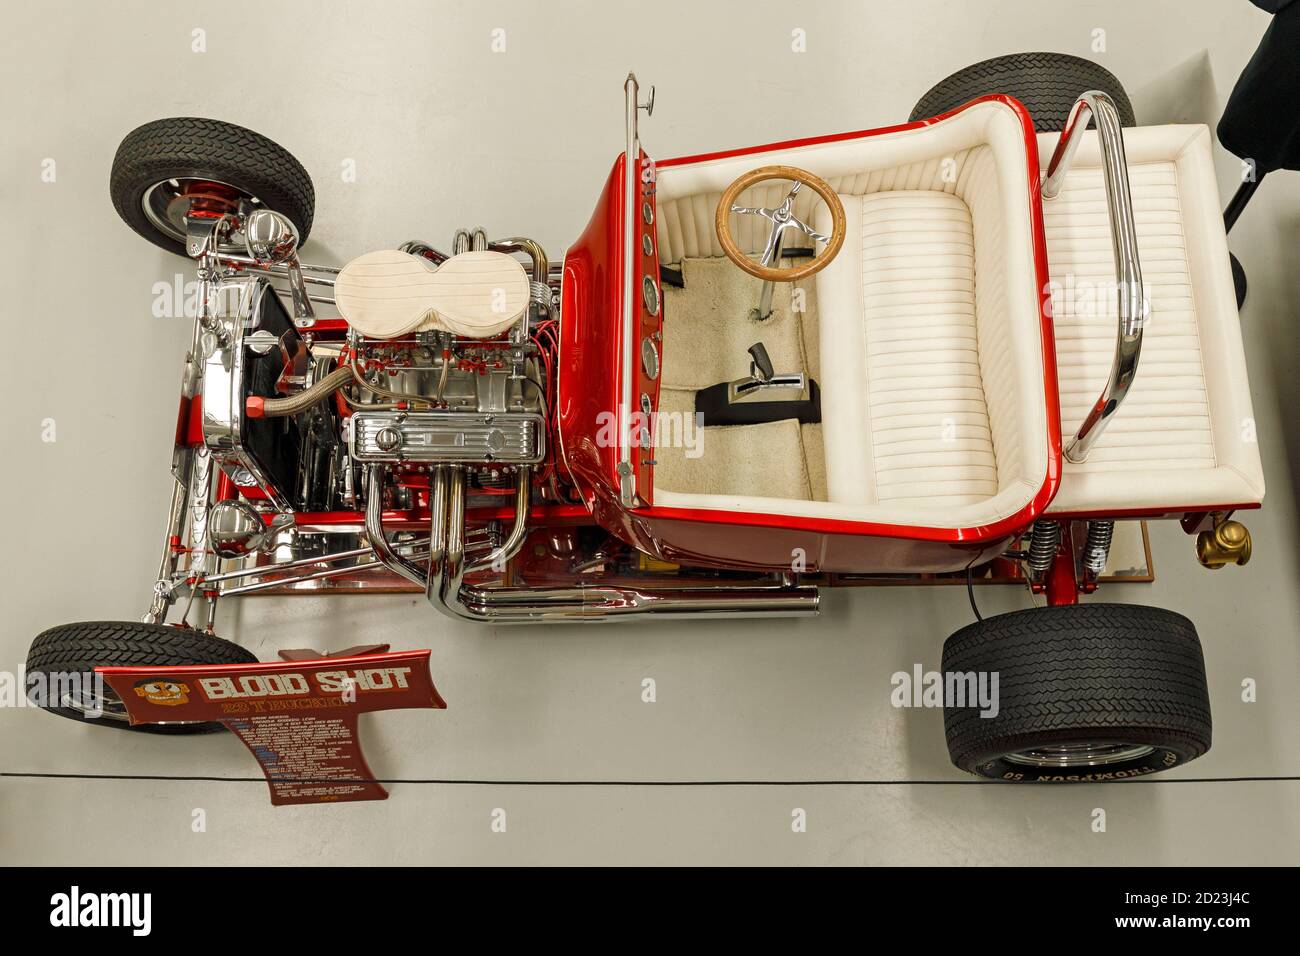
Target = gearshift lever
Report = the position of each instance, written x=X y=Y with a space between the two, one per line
x=764 y=395
x=764 y=383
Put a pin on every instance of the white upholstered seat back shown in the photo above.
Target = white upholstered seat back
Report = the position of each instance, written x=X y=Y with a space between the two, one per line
x=685 y=223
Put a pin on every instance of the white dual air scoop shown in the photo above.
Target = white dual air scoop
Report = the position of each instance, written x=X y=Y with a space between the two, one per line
x=387 y=294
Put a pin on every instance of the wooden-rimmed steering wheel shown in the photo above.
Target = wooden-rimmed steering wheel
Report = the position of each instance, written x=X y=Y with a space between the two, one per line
x=783 y=219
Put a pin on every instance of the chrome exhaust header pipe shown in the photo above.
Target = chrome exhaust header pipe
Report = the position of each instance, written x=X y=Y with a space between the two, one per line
x=375 y=531
x=448 y=591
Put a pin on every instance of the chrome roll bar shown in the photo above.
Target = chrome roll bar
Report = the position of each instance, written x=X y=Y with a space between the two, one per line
x=1133 y=308
x=447 y=590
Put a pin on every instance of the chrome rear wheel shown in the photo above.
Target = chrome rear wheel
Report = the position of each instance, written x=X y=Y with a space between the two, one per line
x=1084 y=754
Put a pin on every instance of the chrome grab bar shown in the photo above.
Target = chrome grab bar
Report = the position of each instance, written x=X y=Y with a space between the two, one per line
x=1123 y=233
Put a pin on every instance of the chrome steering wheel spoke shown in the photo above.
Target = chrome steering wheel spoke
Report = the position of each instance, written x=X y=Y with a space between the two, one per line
x=760 y=263
x=807 y=229
x=782 y=218
x=773 y=243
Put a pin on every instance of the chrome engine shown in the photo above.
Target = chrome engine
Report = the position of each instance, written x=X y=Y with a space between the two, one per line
x=490 y=408
x=300 y=418
x=441 y=397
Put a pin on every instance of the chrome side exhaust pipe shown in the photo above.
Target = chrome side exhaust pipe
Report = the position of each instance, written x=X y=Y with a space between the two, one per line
x=447 y=590
x=606 y=603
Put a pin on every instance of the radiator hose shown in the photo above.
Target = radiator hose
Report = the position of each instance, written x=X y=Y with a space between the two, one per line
x=258 y=407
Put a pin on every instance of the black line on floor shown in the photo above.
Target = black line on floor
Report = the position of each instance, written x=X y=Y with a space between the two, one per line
x=451 y=782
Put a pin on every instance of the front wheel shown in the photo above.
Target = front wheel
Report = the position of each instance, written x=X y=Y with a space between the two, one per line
x=64 y=658
x=171 y=168
x=1081 y=693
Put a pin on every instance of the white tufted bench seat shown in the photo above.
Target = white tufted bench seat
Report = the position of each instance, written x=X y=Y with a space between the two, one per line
x=933 y=361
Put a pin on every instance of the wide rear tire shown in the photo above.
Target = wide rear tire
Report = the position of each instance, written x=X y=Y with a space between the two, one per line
x=1046 y=83
x=1085 y=693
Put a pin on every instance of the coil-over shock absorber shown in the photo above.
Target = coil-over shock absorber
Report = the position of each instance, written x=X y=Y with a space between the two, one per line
x=1044 y=538
x=1096 y=550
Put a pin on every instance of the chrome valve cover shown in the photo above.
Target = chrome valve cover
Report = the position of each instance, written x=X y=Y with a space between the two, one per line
x=516 y=438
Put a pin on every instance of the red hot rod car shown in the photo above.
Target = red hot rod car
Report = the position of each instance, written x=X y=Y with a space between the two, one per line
x=984 y=335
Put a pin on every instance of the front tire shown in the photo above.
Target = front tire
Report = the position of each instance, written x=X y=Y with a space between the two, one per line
x=163 y=168
x=1085 y=693
x=1046 y=83
x=77 y=649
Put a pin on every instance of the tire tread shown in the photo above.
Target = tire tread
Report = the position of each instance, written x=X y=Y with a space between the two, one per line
x=83 y=646
x=1080 y=669
x=191 y=145
x=1046 y=83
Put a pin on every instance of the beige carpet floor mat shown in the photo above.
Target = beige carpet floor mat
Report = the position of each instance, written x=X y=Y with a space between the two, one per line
x=708 y=332
x=707 y=335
